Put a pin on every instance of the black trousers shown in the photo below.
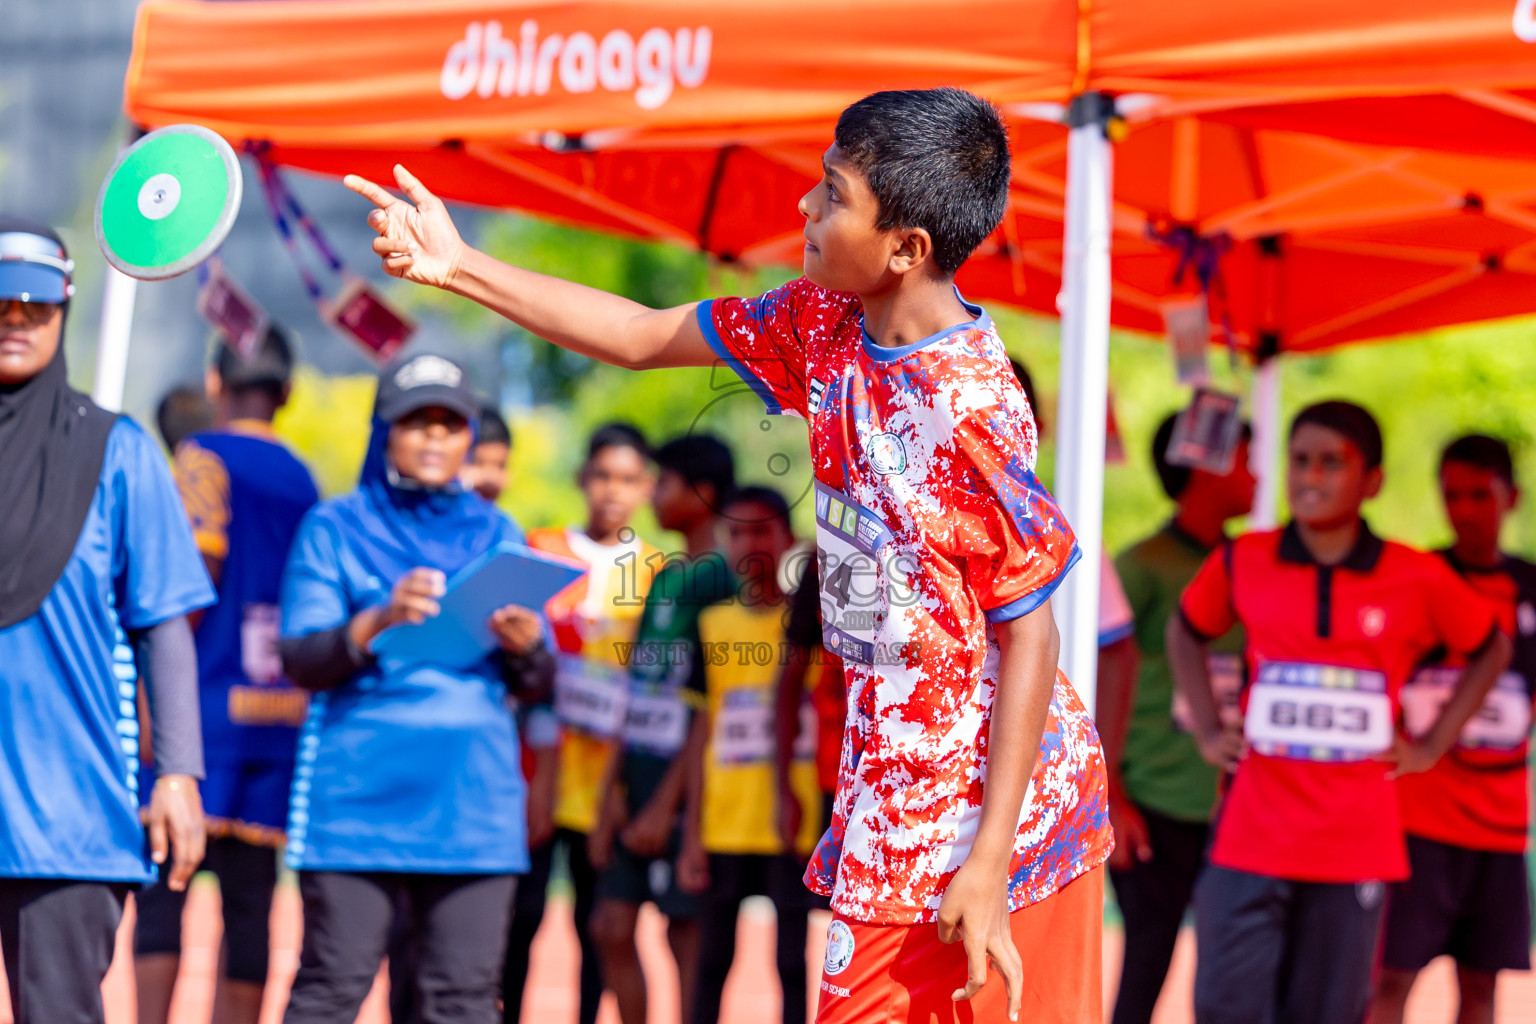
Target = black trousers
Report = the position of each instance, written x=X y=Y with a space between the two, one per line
x=459 y=924
x=528 y=913
x=1153 y=897
x=247 y=875
x=732 y=878
x=57 y=936
x=1273 y=951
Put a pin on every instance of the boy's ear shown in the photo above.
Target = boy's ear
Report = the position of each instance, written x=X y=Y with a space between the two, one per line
x=1373 y=482
x=914 y=249
x=213 y=384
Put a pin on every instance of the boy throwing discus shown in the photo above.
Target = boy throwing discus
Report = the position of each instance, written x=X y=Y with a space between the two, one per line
x=938 y=549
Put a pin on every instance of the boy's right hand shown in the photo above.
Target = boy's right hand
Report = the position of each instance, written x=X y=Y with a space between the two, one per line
x=1222 y=746
x=692 y=867
x=418 y=243
x=1133 y=844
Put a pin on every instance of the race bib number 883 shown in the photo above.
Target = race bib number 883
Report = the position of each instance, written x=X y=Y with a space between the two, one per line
x=1318 y=712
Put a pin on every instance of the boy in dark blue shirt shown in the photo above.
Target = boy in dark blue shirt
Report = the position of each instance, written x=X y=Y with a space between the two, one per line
x=244 y=493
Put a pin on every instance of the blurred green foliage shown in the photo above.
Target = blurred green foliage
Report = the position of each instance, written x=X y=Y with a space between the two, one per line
x=1424 y=389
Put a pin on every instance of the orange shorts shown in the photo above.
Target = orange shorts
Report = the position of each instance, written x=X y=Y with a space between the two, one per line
x=891 y=974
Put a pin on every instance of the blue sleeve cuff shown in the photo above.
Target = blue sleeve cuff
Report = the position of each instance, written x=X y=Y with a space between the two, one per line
x=1117 y=634
x=1035 y=598
x=707 y=325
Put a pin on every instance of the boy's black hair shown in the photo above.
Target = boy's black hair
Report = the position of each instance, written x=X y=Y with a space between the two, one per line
x=701 y=459
x=767 y=497
x=1484 y=452
x=493 y=428
x=184 y=411
x=1175 y=479
x=268 y=367
x=935 y=159
x=618 y=435
x=1352 y=421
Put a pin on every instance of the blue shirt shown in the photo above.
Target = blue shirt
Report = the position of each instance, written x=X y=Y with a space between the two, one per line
x=70 y=740
x=245 y=495
x=409 y=768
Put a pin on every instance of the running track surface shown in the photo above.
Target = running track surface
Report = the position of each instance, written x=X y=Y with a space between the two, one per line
x=751 y=993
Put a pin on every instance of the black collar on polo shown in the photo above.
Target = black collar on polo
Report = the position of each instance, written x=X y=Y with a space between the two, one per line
x=1361 y=558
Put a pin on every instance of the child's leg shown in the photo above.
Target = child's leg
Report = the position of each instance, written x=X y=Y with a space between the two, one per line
x=1331 y=950
x=717 y=933
x=1241 y=921
x=584 y=887
x=891 y=974
x=527 y=915
x=791 y=902
x=1476 y=989
x=613 y=932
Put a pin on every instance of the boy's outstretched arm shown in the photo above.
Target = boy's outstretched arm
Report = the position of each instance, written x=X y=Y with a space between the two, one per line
x=418 y=242
x=975 y=906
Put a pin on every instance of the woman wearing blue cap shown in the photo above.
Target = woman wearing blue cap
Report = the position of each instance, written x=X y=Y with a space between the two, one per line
x=97 y=565
x=408 y=786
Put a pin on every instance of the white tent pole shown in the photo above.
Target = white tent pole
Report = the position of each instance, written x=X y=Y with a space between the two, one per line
x=1264 y=453
x=1084 y=386
x=117 y=299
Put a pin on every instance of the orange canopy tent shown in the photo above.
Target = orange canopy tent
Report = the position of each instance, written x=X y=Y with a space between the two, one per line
x=703 y=124
x=1279 y=135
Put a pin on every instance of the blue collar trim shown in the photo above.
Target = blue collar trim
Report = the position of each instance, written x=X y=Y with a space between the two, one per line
x=885 y=354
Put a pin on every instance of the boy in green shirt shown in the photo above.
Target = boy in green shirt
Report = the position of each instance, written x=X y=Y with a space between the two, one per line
x=1160 y=789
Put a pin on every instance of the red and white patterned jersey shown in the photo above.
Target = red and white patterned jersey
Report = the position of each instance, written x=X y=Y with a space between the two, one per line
x=931 y=525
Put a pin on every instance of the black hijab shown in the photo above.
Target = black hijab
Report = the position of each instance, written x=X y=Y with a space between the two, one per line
x=52 y=443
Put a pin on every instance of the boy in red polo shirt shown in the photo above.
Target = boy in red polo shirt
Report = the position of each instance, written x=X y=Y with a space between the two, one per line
x=1336 y=620
x=1467 y=817
x=938 y=548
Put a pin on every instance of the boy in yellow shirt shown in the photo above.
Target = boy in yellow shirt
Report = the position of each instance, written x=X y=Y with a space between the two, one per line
x=590 y=620
x=732 y=848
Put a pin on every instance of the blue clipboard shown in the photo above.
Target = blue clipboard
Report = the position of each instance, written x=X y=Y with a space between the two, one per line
x=460 y=636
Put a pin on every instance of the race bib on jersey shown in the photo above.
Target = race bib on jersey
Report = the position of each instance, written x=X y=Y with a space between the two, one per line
x=860 y=579
x=1226 y=671
x=656 y=721
x=591 y=697
x=1502 y=722
x=744 y=726
x=259 y=658
x=1318 y=712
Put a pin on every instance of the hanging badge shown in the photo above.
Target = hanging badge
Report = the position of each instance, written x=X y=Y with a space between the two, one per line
x=231 y=311
x=1187 y=322
x=361 y=314
x=1205 y=435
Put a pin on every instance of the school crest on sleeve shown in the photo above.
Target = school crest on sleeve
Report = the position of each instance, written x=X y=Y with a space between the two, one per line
x=887 y=454
x=818 y=388
x=839 y=948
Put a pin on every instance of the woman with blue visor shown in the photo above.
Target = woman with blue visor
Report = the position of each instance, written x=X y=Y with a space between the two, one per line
x=98 y=571
x=408 y=788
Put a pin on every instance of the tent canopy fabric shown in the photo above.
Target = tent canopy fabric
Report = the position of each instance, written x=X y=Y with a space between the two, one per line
x=400 y=71
x=704 y=123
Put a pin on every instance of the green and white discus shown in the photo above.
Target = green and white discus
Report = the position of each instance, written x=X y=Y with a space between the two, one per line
x=168 y=202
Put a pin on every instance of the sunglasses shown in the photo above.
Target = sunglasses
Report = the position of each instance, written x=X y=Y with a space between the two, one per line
x=32 y=313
